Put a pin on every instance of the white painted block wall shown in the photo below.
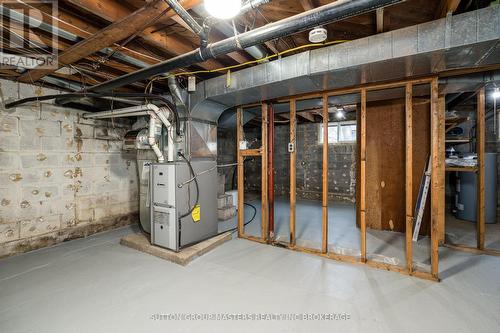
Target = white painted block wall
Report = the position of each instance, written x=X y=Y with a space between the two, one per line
x=61 y=176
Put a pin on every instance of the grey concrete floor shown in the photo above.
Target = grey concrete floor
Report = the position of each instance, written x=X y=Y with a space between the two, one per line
x=464 y=233
x=343 y=235
x=97 y=285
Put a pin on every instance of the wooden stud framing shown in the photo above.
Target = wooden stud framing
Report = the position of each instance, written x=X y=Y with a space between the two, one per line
x=480 y=125
x=324 y=240
x=293 y=170
x=437 y=175
x=362 y=175
x=367 y=87
x=441 y=212
x=264 y=187
x=437 y=151
x=241 y=192
x=475 y=250
x=409 y=175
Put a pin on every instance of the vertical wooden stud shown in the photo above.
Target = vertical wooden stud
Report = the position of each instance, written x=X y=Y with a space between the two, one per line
x=437 y=175
x=409 y=176
x=239 y=138
x=362 y=175
x=324 y=243
x=480 y=142
x=293 y=170
x=264 y=185
x=441 y=212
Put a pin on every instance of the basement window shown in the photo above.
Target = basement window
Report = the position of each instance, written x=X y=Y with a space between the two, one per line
x=339 y=132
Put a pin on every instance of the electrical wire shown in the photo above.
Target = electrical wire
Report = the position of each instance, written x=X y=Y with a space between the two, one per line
x=244 y=224
x=278 y=54
x=181 y=185
x=196 y=183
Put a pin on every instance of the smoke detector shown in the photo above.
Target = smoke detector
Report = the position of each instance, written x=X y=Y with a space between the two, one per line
x=317 y=35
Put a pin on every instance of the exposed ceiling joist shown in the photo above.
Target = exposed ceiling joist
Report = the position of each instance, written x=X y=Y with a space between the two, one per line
x=380 y=19
x=306 y=115
x=446 y=6
x=82 y=29
x=306 y=4
x=113 y=33
x=111 y=11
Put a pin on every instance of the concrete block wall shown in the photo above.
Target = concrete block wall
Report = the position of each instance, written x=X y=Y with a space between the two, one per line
x=341 y=164
x=61 y=176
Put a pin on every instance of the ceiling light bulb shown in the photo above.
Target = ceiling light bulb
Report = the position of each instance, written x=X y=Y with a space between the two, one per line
x=340 y=113
x=496 y=93
x=223 y=9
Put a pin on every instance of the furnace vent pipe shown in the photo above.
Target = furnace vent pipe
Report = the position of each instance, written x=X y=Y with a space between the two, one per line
x=333 y=12
x=152 y=139
x=154 y=113
x=176 y=93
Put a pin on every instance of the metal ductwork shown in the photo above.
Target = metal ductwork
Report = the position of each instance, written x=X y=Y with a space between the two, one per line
x=461 y=41
x=332 y=12
x=256 y=51
x=190 y=21
x=252 y=4
x=176 y=93
x=468 y=83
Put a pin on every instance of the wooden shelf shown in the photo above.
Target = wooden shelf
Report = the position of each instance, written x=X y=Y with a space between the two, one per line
x=454 y=122
x=461 y=169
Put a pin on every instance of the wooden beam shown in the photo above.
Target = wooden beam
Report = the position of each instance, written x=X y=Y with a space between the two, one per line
x=445 y=7
x=307 y=4
x=380 y=19
x=112 y=11
x=264 y=185
x=80 y=28
x=409 y=176
x=362 y=180
x=173 y=44
x=62 y=45
x=437 y=175
x=241 y=192
x=293 y=170
x=306 y=115
x=113 y=33
x=480 y=143
x=324 y=242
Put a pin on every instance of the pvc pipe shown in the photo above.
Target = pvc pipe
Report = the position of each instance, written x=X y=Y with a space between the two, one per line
x=152 y=139
x=120 y=112
x=131 y=114
x=154 y=112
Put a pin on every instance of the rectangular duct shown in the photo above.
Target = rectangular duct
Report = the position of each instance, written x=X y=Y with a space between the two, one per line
x=462 y=41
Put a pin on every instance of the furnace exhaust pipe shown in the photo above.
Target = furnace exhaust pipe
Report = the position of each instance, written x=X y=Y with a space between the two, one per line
x=154 y=112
